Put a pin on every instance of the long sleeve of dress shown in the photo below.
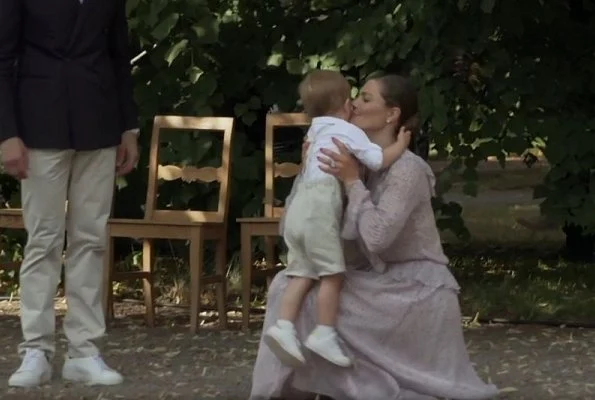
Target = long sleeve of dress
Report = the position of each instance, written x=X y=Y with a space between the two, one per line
x=379 y=223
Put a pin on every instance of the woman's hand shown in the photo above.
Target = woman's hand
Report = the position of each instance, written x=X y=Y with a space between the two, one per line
x=343 y=165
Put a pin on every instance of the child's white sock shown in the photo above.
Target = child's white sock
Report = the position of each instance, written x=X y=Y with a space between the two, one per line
x=285 y=324
x=324 y=330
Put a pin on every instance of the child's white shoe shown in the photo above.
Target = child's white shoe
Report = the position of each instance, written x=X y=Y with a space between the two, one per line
x=324 y=341
x=283 y=342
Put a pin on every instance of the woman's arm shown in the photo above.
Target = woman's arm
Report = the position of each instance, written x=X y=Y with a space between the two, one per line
x=379 y=224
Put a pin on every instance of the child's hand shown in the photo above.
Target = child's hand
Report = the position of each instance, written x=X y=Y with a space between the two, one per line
x=404 y=137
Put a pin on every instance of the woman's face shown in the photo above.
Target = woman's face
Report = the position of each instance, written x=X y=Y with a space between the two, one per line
x=370 y=112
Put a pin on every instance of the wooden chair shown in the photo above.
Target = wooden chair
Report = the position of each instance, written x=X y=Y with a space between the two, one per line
x=268 y=225
x=194 y=226
x=11 y=218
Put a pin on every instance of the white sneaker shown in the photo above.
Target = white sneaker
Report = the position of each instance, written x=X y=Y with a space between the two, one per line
x=284 y=343
x=90 y=371
x=35 y=370
x=326 y=345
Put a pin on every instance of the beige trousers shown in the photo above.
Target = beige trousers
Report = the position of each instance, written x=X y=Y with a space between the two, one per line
x=86 y=180
x=313 y=230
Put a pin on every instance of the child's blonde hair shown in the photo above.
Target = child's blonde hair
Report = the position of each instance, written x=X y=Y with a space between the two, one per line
x=324 y=92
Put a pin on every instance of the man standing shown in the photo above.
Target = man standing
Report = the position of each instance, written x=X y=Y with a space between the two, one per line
x=68 y=124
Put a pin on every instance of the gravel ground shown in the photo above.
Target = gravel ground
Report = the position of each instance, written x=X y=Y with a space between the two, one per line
x=526 y=362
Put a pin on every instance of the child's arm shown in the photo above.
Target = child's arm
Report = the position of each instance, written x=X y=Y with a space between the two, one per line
x=396 y=150
x=372 y=155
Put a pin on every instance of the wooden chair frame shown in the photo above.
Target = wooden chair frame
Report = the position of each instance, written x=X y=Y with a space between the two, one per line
x=194 y=226
x=11 y=218
x=267 y=226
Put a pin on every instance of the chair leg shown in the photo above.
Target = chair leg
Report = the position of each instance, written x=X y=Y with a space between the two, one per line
x=108 y=265
x=270 y=242
x=246 y=264
x=221 y=287
x=269 y=251
x=196 y=262
x=148 y=287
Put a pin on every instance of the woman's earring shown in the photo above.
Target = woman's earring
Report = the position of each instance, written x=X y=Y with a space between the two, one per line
x=388 y=121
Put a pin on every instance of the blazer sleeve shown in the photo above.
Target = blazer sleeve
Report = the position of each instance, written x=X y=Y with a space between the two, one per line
x=11 y=14
x=120 y=54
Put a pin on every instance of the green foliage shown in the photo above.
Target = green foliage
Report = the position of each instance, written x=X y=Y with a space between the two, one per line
x=494 y=77
x=487 y=88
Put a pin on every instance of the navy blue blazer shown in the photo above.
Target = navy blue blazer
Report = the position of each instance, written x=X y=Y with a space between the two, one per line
x=65 y=74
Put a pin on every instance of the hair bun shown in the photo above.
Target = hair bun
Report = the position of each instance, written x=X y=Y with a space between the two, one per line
x=413 y=123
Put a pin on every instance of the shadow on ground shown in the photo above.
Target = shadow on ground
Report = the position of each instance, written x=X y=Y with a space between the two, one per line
x=167 y=362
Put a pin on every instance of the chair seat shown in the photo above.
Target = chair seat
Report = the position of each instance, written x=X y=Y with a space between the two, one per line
x=147 y=229
x=11 y=211
x=145 y=222
x=258 y=220
x=11 y=218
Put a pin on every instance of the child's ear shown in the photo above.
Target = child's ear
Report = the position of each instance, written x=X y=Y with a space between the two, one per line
x=348 y=106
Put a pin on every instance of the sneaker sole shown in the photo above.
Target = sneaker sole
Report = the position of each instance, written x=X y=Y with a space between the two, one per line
x=320 y=354
x=283 y=355
x=78 y=378
x=92 y=383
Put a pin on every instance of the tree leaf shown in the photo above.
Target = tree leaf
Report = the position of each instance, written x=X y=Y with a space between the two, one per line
x=165 y=27
x=240 y=109
x=275 y=60
x=207 y=30
x=194 y=73
x=295 y=66
x=206 y=85
x=249 y=118
x=175 y=50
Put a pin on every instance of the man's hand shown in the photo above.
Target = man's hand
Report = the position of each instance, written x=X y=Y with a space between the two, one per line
x=15 y=157
x=127 y=154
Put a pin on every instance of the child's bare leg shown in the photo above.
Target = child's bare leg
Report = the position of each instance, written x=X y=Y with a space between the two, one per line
x=324 y=340
x=328 y=299
x=282 y=337
x=294 y=295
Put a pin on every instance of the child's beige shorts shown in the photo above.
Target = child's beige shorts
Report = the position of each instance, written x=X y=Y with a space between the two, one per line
x=313 y=229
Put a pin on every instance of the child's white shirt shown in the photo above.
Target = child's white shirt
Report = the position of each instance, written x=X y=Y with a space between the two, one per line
x=320 y=135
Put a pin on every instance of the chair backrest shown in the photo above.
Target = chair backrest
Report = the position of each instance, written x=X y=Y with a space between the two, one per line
x=272 y=169
x=209 y=174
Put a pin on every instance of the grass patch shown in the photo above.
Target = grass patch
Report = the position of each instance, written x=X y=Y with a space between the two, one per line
x=497 y=225
x=508 y=271
x=520 y=283
x=503 y=179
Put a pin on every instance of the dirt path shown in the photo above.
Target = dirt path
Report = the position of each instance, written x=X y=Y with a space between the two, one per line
x=168 y=363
